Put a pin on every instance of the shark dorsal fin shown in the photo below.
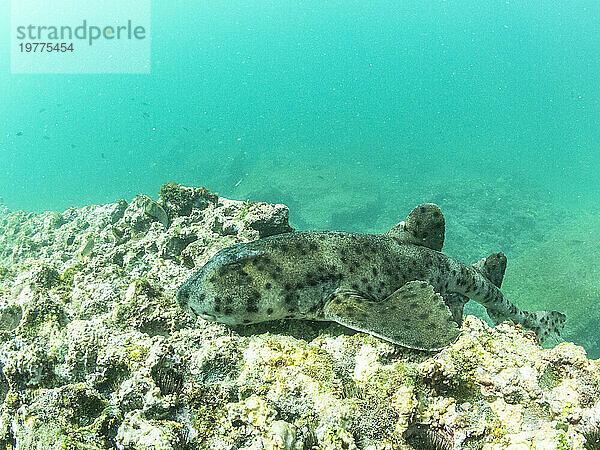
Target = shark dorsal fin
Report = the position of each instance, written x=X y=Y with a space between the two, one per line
x=424 y=226
x=492 y=267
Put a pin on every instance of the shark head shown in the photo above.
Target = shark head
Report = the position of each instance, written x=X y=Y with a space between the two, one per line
x=222 y=290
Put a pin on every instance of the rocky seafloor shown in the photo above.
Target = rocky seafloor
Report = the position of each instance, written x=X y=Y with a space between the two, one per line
x=96 y=354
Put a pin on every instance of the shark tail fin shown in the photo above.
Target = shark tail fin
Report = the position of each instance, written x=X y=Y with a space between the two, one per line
x=546 y=324
x=492 y=267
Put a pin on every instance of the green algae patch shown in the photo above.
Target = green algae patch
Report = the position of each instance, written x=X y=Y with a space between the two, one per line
x=245 y=210
x=67 y=278
x=46 y=278
x=207 y=403
x=179 y=200
x=550 y=378
x=335 y=437
x=68 y=417
x=99 y=435
x=136 y=355
x=5 y=273
x=385 y=405
x=312 y=362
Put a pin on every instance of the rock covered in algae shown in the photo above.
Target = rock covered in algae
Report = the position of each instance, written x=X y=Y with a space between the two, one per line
x=96 y=354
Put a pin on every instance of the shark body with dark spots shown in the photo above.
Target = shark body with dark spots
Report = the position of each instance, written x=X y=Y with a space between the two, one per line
x=396 y=286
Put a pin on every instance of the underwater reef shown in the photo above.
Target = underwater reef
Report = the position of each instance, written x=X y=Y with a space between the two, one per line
x=95 y=353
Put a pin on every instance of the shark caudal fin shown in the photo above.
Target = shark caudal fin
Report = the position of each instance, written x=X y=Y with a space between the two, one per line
x=546 y=324
x=492 y=267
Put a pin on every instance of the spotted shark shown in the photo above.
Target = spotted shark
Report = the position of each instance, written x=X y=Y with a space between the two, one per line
x=397 y=286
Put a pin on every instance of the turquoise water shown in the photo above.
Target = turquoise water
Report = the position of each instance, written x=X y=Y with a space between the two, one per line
x=349 y=112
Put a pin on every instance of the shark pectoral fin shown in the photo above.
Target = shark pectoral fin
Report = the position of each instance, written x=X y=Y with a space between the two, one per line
x=424 y=226
x=414 y=316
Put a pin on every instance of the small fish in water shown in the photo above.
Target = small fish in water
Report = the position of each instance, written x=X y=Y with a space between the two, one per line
x=397 y=286
x=19 y=133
